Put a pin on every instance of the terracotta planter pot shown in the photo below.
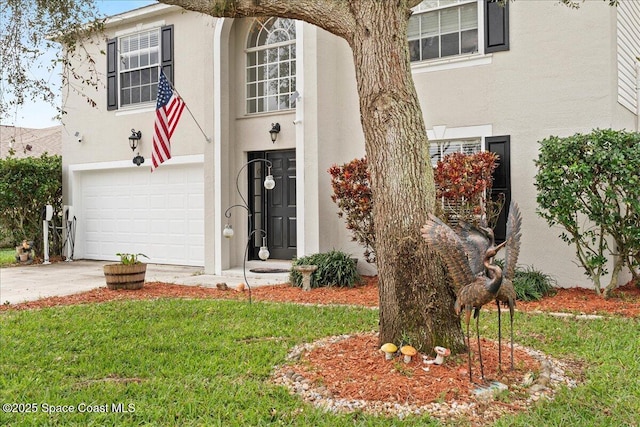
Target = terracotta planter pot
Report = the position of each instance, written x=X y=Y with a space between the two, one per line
x=120 y=276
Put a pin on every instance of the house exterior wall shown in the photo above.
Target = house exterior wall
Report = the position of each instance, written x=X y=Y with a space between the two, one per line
x=106 y=132
x=558 y=77
x=340 y=136
x=324 y=129
x=104 y=145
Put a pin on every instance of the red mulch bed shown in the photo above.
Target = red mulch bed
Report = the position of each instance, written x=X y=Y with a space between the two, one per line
x=354 y=368
x=625 y=301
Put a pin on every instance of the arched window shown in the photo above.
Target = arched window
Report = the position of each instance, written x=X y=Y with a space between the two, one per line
x=271 y=65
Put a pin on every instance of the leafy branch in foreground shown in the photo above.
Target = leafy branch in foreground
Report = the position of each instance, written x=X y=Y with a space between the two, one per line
x=31 y=32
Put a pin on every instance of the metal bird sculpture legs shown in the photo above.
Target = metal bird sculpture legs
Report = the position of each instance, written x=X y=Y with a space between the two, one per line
x=475 y=295
x=473 y=290
x=510 y=301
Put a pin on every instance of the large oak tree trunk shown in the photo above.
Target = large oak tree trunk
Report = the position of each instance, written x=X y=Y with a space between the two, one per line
x=416 y=302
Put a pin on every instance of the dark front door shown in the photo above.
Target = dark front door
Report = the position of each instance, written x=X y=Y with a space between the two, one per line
x=501 y=180
x=274 y=210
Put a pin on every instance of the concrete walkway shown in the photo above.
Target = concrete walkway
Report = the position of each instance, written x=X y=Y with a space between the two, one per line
x=31 y=282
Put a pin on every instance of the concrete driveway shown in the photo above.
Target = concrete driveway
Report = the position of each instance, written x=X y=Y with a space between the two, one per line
x=31 y=282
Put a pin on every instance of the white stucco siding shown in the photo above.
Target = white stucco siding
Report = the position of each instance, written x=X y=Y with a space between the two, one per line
x=558 y=78
x=124 y=208
x=340 y=137
x=106 y=132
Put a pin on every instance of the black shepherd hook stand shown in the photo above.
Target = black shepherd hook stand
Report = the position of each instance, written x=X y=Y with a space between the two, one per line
x=263 y=254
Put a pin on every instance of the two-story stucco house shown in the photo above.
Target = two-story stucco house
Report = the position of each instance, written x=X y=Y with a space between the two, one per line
x=488 y=78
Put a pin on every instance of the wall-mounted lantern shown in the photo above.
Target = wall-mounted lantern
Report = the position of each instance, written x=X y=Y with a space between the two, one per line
x=134 y=139
x=275 y=130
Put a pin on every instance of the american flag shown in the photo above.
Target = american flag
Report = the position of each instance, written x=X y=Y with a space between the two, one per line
x=168 y=111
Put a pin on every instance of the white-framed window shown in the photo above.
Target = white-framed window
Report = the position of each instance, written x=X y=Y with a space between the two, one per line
x=139 y=61
x=439 y=149
x=443 y=28
x=271 y=65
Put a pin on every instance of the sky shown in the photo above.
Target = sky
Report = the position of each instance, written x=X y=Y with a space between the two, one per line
x=40 y=114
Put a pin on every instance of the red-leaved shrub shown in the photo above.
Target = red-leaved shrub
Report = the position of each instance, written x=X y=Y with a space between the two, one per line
x=463 y=182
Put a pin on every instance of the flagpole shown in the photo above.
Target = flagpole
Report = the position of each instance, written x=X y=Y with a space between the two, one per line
x=189 y=110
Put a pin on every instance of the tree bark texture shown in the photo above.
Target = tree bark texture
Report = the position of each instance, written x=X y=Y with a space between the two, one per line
x=416 y=299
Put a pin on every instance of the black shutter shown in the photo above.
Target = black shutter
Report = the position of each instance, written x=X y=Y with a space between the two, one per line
x=112 y=74
x=501 y=180
x=166 y=57
x=496 y=26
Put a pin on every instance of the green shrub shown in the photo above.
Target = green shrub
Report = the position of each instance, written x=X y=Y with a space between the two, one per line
x=531 y=284
x=26 y=187
x=589 y=185
x=335 y=268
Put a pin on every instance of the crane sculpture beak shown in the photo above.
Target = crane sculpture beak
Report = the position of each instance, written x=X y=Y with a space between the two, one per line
x=493 y=251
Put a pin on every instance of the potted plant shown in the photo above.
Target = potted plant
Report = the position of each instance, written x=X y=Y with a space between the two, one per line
x=127 y=274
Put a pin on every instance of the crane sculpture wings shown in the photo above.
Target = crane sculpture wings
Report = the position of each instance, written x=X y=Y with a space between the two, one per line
x=507 y=293
x=468 y=253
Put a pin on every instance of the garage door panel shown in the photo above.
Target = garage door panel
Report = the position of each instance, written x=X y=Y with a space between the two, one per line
x=131 y=210
x=176 y=201
x=158 y=201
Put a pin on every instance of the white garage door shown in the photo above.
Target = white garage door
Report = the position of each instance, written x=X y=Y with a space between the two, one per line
x=159 y=214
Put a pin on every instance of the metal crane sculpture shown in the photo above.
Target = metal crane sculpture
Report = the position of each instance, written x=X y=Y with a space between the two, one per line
x=507 y=293
x=473 y=291
x=477 y=240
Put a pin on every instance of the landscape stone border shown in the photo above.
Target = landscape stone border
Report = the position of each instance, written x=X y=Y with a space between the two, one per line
x=553 y=375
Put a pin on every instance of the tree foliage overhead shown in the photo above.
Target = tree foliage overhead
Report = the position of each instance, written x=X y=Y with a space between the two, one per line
x=589 y=185
x=30 y=35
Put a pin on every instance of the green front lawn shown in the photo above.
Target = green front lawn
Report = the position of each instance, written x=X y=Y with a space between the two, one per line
x=208 y=362
x=7 y=256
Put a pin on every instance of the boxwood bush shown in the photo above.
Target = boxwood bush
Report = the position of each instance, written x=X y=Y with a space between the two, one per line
x=335 y=268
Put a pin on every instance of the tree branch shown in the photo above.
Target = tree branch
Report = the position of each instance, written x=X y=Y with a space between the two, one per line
x=334 y=16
